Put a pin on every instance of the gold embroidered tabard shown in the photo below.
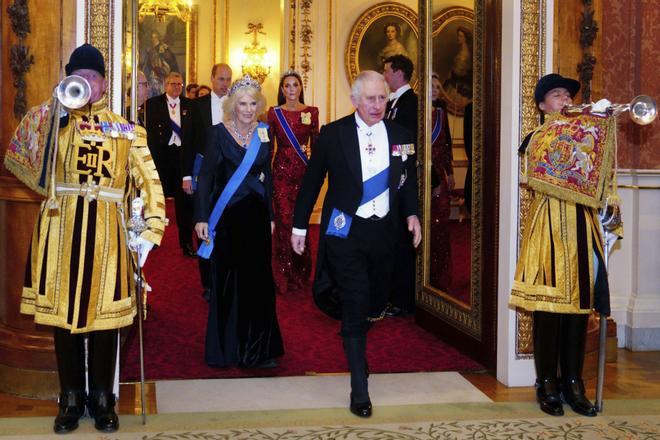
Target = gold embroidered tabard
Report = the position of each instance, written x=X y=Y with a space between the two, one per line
x=81 y=270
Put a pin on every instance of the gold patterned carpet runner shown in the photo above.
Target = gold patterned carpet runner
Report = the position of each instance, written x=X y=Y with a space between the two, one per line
x=622 y=419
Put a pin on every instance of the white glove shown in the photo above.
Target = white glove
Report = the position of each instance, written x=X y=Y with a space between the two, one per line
x=600 y=106
x=142 y=246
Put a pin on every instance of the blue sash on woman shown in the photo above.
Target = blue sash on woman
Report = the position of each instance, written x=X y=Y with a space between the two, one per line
x=206 y=248
x=289 y=134
x=437 y=127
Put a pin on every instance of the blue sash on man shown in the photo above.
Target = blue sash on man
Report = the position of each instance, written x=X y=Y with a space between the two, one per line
x=340 y=222
x=290 y=134
x=206 y=248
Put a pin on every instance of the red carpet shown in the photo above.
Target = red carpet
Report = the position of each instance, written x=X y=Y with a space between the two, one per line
x=175 y=329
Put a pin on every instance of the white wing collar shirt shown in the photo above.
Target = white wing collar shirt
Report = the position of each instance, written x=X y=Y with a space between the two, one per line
x=374 y=158
x=216 y=108
x=394 y=96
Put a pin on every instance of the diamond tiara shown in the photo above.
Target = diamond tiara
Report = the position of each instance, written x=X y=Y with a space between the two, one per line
x=246 y=81
x=290 y=72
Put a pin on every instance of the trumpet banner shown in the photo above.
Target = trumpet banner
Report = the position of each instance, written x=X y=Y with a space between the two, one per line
x=27 y=154
x=570 y=157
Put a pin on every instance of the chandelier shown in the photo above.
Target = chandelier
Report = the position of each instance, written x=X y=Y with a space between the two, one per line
x=162 y=8
x=254 y=55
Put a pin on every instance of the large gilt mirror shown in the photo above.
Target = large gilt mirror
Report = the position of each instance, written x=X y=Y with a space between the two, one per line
x=458 y=191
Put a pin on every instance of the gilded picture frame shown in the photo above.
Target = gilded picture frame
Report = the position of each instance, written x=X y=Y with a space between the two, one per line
x=166 y=46
x=453 y=43
x=382 y=30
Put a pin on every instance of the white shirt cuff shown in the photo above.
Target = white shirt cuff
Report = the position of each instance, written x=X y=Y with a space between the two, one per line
x=301 y=232
x=187 y=178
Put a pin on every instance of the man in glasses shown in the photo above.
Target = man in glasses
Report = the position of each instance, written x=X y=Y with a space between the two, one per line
x=170 y=132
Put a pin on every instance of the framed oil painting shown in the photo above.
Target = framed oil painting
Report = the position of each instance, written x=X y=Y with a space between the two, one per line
x=166 y=46
x=453 y=31
x=381 y=31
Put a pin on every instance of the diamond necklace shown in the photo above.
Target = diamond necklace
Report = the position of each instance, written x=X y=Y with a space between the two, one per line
x=244 y=139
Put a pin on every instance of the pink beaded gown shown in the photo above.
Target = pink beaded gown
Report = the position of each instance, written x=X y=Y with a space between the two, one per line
x=441 y=159
x=291 y=271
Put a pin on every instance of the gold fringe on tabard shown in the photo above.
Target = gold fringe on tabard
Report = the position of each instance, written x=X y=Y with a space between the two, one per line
x=552 y=186
x=25 y=156
x=547 y=274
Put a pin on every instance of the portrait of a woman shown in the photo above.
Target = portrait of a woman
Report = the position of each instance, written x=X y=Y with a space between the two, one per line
x=459 y=83
x=392 y=46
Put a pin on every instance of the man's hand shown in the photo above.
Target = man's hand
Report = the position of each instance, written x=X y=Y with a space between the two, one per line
x=272 y=227
x=187 y=187
x=202 y=230
x=298 y=243
x=415 y=228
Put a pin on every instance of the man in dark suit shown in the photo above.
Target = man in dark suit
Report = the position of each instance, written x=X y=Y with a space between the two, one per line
x=208 y=112
x=372 y=188
x=169 y=124
x=402 y=109
x=142 y=94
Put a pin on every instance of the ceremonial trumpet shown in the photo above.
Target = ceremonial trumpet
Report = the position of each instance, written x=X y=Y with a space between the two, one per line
x=73 y=92
x=642 y=109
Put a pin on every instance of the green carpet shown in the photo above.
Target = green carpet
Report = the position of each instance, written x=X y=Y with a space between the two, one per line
x=623 y=419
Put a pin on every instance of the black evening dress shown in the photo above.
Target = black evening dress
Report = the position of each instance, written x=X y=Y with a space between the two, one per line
x=242 y=327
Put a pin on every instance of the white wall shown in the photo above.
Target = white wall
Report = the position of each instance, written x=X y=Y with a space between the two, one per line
x=634 y=268
x=510 y=370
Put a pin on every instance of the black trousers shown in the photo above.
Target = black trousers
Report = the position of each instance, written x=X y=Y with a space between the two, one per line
x=403 y=280
x=559 y=344
x=101 y=358
x=168 y=164
x=361 y=266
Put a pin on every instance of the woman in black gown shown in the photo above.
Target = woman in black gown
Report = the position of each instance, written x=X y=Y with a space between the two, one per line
x=242 y=327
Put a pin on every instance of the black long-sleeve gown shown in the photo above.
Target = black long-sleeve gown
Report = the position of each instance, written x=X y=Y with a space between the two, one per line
x=242 y=327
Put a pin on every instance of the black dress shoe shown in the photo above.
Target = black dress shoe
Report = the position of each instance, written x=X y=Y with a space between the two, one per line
x=102 y=408
x=572 y=392
x=71 y=409
x=361 y=409
x=268 y=363
x=548 y=396
x=392 y=310
x=189 y=251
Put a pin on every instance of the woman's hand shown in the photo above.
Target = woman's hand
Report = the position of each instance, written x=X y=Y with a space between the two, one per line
x=202 y=230
x=272 y=227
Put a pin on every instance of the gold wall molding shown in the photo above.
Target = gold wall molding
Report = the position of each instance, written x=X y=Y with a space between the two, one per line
x=533 y=40
x=292 y=34
x=191 y=45
x=300 y=25
x=99 y=32
x=330 y=40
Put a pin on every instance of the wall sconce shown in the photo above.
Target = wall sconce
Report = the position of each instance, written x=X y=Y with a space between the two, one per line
x=255 y=63
x=162 y=8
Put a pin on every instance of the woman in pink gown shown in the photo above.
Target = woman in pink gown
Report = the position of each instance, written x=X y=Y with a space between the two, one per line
x=443 y=183
x=294 y=128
